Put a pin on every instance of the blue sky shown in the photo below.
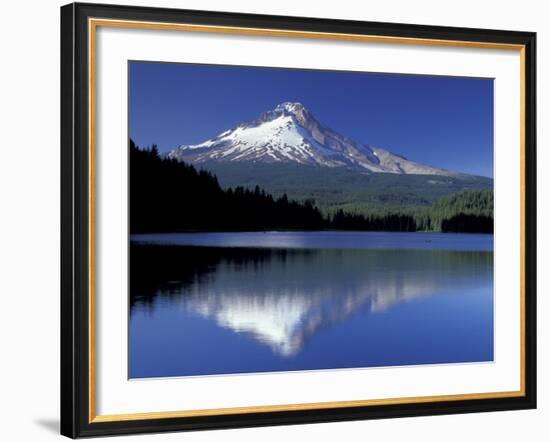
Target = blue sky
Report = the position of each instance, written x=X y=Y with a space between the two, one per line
x=441 y=121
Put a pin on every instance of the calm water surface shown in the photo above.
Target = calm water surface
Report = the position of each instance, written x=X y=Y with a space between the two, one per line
x=218 y=303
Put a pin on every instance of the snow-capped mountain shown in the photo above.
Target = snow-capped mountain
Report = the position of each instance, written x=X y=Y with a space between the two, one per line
x=290 y=134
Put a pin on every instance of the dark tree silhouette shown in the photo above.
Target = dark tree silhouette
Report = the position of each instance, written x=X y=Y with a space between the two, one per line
x=468 y=224
x=170 y=196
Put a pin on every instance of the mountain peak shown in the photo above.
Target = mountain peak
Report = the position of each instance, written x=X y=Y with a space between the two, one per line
x=297 y=111
x=290 y=134
x=290 y=107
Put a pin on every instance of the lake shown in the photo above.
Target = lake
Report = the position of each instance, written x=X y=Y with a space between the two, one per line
x=247 y=302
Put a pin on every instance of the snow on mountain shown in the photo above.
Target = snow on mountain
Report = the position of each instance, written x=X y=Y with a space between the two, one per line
x=290 y=134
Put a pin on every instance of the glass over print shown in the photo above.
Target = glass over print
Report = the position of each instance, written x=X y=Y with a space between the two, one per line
x=282 y=228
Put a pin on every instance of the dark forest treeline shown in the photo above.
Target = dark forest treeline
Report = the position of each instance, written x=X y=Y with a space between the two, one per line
x=469 y=211
x=167 y=195
x=171 y=196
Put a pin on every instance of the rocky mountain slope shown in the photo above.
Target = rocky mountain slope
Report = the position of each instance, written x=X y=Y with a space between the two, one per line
x=290 y=134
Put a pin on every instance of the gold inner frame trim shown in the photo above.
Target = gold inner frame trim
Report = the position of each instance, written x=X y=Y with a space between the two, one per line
x=93 y=24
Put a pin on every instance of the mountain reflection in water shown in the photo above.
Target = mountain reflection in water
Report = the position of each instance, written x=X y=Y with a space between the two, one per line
x=282 y=298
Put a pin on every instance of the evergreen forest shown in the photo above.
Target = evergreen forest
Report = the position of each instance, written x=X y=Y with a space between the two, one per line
x=171 y=196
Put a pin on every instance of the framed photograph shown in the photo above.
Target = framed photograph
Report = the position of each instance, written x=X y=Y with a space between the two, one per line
x=279 y=220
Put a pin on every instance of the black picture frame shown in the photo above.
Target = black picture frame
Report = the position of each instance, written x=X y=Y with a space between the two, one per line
x=75 y=221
